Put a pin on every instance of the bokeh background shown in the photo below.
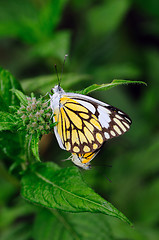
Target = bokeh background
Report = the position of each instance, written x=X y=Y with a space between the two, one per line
x=105 y=40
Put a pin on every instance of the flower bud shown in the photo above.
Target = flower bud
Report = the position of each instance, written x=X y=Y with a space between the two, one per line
x=41 y=127
x=22 y=107
x=44 y=105
x=30 y=116
x=33 y=106
x=47 y=127
x=29 y=99
x=34 y=99
x=34 y=124
x=41 y=111
x=19 y=112
x=48 y=115
x=23 y=117
x=37 y=114
x=28 y=108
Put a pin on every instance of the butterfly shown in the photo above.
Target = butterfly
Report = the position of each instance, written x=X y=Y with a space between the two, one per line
x=84 y=124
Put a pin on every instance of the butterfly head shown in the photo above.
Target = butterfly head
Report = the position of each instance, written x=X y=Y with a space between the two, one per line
x=55 y=98
x=57 y=89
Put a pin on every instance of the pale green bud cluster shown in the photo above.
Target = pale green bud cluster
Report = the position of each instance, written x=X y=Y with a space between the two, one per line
x=36 y=116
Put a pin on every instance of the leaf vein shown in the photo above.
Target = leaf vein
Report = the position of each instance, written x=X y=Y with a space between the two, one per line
x=77 y=196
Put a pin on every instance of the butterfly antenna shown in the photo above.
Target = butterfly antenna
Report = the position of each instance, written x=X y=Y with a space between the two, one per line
x=66 y=55
x=108 y=179
x=57 y=75
x=102 y=165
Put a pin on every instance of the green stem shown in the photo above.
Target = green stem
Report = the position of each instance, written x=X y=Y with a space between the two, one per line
x=28 y=147
x=9 y=178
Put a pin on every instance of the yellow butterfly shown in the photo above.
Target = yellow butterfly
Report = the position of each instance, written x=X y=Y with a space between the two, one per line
x=84 y=124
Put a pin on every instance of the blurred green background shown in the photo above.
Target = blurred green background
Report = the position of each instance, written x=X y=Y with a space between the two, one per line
x=105 y=40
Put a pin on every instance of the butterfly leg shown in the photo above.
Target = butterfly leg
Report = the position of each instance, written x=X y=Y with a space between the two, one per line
x=67 y=159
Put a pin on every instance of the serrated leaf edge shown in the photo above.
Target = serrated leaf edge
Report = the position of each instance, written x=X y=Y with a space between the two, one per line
x=120 y=215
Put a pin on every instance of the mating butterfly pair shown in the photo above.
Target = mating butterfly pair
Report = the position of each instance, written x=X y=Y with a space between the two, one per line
x=84 y=124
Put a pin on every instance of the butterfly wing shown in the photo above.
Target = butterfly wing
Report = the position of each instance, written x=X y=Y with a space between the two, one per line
x=85 y=123
x=114 y=122
x=76 y=127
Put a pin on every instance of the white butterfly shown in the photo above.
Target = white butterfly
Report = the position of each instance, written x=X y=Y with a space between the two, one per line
x=84 y=124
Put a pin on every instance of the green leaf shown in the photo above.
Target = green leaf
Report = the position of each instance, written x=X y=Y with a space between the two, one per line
x=147 y=203
x=44 y=83
x=57 y=46
x=3 y=105
x=15 y=22
x=10 y=214
x=17 y=231
x=8 y=186
x=35 y=24
x=107 y=86
x=10 y=145
x=80 y=226
x=150 y=7
x=32 y=147
x=8 y=82
x=35 y=146
x=7 y=121
x=28 y=150
x=123 y=231
x=50 y=15
x=125 y=69
x=20 y=96
x=64 y=189
x=106 y=18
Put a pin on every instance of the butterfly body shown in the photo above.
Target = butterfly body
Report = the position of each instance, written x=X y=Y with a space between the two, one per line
x=83 y=160
x=84 y=124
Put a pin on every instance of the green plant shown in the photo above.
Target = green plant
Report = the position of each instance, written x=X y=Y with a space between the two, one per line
x=23 y=121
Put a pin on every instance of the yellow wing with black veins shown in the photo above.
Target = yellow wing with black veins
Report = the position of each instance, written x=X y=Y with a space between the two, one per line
x=79 y=129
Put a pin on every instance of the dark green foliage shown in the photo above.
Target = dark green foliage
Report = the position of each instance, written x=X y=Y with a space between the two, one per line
x=105 y=40
x=71 y=226
x=48 y=185
x=7 y=121
x=7 y=83
x=107 y=86
x=45 y=184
